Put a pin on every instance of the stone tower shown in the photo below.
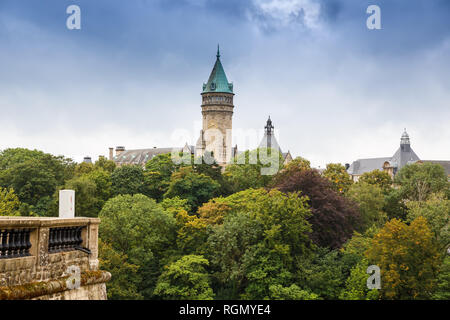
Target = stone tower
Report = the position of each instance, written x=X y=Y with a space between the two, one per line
x=217 y=112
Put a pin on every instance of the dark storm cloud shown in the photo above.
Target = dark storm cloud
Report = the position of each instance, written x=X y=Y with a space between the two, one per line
x=137 y=63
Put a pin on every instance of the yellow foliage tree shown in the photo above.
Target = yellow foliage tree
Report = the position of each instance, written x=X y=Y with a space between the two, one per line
x=9 y=203
x=408 y=257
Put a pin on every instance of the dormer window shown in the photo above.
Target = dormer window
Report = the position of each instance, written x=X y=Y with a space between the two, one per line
x=213 y=86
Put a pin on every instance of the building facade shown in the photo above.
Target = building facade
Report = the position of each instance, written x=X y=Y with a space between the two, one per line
x=403 y=156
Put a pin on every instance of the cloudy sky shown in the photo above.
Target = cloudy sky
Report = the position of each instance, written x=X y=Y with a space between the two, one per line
x=133 y=74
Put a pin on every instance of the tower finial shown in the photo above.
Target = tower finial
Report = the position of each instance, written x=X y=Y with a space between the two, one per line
x=218 y=51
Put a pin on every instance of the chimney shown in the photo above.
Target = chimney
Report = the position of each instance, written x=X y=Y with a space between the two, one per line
x=119 y=150
x=87 y=160
x=111 y=153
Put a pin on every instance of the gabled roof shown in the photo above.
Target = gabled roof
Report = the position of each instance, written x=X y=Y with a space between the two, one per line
x=218 y=81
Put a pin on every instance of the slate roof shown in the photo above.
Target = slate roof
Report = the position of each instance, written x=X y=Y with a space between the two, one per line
x=141 y=156
x=402 y=157
x=360 y=166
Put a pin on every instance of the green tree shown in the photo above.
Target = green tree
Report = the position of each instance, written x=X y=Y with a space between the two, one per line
x=124 y=278
x=379 y=178
x=139 y=228
x=128 y=179
x=443 y=281
x=83 y=168
x=395 y=205
x=293 y=292
x=253 y=169
x=338 y=176
x=370 y=200
x=196 y=188
x=356 y=284
x=163 y=164
x=323 y=273
x=419 y=180
x=105 y=164
x=33 y=174
x=185 y=279
x=261 y=236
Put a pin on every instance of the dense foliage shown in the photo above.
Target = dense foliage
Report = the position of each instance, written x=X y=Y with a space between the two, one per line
x=192 y=230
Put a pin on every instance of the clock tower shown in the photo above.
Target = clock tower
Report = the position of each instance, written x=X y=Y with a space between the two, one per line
x=217 y=112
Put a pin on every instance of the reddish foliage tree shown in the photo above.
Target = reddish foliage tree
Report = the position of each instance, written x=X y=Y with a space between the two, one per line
x=334 y=217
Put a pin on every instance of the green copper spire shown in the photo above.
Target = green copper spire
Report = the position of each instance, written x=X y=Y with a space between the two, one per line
x=218 y=81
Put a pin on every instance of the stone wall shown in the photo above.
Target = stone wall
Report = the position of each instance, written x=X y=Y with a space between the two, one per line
x=42 y=274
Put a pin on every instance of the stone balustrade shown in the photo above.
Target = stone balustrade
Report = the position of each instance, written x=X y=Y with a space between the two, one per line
x=35 y=254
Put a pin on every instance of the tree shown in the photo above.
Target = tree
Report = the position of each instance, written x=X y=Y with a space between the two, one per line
x=138 y=227
x=105 y=164
x=253 y=169
x=261 y=236
x=128 y=179
x=175 y=205
x=394 y=205
x=334 y=217
x=103 y=184
x=323 y=273
x=298 y=163
x=293 y=292
x=379 y=178
x=83 y=168
x=419 y=180
x=408 y=258
x=158 y=171
x=370 y=200
x=124 y=278
x=196 y=188
x=442 y=291
x=33 y=174
x=9 y=203
x=162 y=164
x=437 y=212
x=185 y=279
x=86 y=203
x=338 y=176
x=214 y=211
x=356 y=284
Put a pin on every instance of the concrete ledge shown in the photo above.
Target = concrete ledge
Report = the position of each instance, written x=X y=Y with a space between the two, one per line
x=37 y=222
x=46 y=288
